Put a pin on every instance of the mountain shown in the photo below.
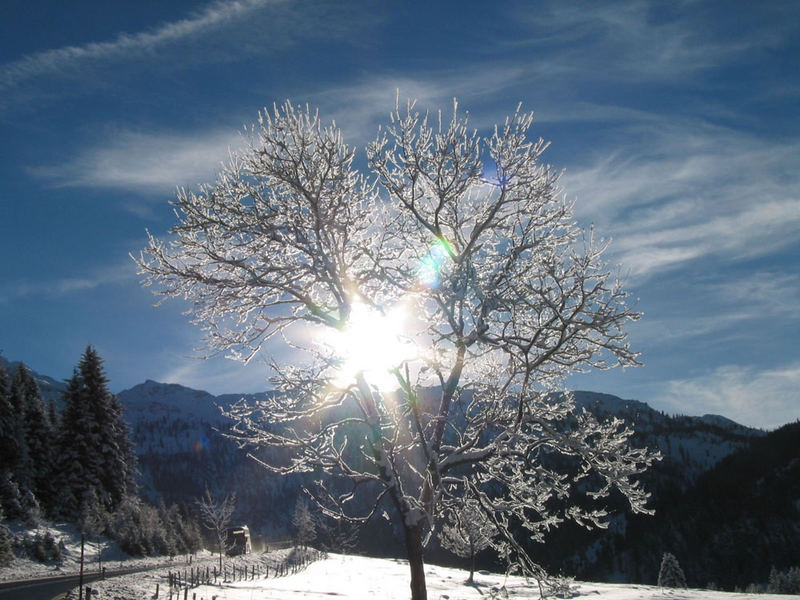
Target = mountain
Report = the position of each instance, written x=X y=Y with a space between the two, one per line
x=735 y=522
x=50 y=388
x=178 y=436
x=720 y=486
x=689 y=445
x=630 y=550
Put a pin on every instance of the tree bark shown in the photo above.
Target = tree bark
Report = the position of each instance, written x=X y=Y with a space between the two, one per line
x=415 y=561
x=471 y=564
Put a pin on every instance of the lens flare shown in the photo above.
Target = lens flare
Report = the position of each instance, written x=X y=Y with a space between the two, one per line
x=431 y=265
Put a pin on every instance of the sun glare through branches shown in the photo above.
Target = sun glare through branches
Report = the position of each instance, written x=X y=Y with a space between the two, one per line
x=372 y=343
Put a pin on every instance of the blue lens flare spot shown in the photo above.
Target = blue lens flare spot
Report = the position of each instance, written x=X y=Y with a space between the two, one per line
x=430 y=268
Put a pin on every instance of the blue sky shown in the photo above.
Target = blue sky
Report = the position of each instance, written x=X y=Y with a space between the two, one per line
x=677 y=124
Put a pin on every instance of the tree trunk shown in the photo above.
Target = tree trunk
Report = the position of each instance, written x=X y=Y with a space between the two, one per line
x=471 y=565
x=416 y=563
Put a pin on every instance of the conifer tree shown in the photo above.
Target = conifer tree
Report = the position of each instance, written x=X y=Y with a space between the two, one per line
x=304 y=526
x=95 y=451
x=670 y=574
x=77 y=464
x=6 y=554
x=9 y=449
x=7 y=419
x=188 y=530
x=38 y=438
x=14 y=447
x=109 y=432
x=10 y=498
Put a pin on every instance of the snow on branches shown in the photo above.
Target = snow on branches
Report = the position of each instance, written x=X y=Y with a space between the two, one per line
x=501 y=296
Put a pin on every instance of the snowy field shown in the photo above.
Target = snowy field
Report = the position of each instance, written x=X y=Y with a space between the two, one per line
x=338 y=576
x=355 y=577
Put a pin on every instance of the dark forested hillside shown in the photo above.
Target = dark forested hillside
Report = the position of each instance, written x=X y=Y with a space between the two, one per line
x=178 y=437
x=729 y=527
x=727 y=497
x=177 y=432
x=739 y=518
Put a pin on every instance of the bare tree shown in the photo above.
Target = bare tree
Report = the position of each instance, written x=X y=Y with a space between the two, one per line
x=215 y=515
x=467 y=531
x=439 y=304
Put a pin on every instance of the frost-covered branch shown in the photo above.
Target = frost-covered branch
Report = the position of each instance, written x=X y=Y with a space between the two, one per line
x=504 y=296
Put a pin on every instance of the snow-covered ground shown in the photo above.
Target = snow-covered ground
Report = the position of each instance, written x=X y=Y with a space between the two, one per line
x=356 y=577
x=98 y=553
x=338 y=576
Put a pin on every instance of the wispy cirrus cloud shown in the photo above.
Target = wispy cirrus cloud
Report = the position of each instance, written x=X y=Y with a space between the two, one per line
x=121 y=273
x=125 y=45
x=685 y=191
x=225 y=31
x=760 y=397
x=741 y=309
x=149 y=162
x=157 y=161
x=628 y=42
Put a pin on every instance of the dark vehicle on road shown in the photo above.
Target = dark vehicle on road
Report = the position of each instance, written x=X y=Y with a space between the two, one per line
x=239 y=541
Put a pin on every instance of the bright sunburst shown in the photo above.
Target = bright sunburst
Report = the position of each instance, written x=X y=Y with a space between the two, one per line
x=372 y=343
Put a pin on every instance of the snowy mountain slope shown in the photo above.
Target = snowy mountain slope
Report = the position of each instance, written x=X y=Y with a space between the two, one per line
x=51 y=389
x=690 y=445
x=178 y=436
x=169 y=418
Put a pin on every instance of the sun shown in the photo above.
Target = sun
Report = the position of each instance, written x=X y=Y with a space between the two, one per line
x=372 y=343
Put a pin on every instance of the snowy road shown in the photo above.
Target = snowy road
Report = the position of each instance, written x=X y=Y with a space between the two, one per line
x=47 y=588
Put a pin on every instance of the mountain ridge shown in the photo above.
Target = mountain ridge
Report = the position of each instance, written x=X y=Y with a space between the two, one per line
x=179 y=438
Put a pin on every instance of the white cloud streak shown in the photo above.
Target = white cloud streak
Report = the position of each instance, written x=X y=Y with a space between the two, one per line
x=156 y=162
x=764 y=398
x=124 y=45
x=686 y=191
x=737 y=309
x=146 y=162
x=621 y=41
x=111 y=275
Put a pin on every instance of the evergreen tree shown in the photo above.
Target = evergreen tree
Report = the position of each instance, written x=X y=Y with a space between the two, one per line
x=52 y=414
x=188 y=530
x=304 y=526
x=77 y=463
x=6 y=553
x=784 y=582
x=91 y=520
x=10 y=451
x=671 y=574
x=95 y=451
x=110 y=433
x=38 y=437
x=8 y=437
x=10 y=498
x=13 y=449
